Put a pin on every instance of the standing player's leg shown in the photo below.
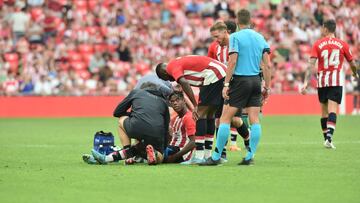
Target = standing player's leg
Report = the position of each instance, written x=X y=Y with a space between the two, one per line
x=217 y=123
x=324 y=118
x=255 y=134
x=242 y=129
x=224 y=130
x=245 y=117
x=201 y=131
x=209 y=137
x=233 y=137
x=355 y=103
x=332 y=97
x=331 y=123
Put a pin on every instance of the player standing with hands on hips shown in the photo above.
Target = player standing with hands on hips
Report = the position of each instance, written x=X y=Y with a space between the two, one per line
x=242 y=86
x=329 y=52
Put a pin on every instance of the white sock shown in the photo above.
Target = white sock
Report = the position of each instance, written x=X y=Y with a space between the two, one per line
x=109 y=158
x=207 y=153
x=199 y=154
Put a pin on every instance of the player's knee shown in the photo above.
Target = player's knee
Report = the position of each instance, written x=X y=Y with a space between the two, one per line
x=236 y=122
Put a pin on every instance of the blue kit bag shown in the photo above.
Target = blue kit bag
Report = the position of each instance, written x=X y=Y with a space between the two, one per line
x=104 y=142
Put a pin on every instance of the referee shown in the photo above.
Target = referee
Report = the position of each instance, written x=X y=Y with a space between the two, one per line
x=248 y=53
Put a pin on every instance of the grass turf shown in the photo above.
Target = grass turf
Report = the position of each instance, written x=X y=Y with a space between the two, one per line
x=40 y=161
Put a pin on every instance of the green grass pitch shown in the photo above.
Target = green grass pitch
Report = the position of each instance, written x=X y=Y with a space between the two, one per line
x=40 y=161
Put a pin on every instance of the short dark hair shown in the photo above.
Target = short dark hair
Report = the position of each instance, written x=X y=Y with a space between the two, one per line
x=178 y=94
x=157 y=69
x=330 y=25
x=231 y=26
x=243 y=17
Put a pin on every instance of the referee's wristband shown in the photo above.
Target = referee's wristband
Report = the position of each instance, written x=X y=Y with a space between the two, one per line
x=226 y=84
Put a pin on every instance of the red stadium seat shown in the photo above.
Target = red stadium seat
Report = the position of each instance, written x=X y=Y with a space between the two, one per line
x=13 y=60
x=86 y=57
x=36 y=13
x=92 y=29
x=64 y=66
x=84 y=74
x=75 y=57
x=142 y=68
x=103 y=30
x=305 y=49
x=80 y=4
x=85 y=48
x=111 y=47
x=92 y=4
x=100 y=47
x=78 y=65
x=124 y=67
x=11 y=57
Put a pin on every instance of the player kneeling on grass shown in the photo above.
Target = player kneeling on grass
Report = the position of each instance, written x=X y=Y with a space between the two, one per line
x=182 y=130
x=147 y=122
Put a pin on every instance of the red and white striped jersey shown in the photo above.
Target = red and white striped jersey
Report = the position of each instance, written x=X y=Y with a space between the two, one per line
x=330 y=53
x=218 y=52
x=198 y=70
x=182 y=128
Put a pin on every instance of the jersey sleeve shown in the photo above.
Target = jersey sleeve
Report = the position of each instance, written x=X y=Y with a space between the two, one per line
x=266 y=47
x=233 y=44
x=189 y=124
x=211 y=52
x=314 y=52
x=175 y=71
x=347 y=52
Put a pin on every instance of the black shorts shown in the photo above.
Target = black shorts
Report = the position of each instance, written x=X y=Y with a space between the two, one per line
x=330 y=93
x=210 y=95
x=219 y=112
x=245 y=91
x=135 y=131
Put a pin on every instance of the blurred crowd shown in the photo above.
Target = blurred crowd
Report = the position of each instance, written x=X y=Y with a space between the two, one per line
x=102 y=47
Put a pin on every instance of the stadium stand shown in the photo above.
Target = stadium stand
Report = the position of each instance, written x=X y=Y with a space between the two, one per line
x=101 y=47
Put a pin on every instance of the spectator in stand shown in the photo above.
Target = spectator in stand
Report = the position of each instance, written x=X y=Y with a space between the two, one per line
x=35 y=3
x=19 y=21
x=97 y=62
x=162 y=31
x=11 y=85
x=123 y=51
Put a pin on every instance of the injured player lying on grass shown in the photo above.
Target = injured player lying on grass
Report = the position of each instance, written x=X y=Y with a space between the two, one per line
x=179 y=149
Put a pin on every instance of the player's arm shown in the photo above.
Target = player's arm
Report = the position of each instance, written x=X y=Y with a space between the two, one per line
x=265 y=65
x=349 y=57
x=187 y=148
x=309 y=70
x=229 y=73
x=121 y=109
x=354 y=68
x=188 y=91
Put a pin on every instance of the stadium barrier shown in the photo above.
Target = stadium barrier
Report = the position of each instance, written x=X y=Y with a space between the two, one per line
x=103 y=106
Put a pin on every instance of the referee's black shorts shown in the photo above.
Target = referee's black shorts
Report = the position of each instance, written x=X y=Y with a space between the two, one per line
x=330 y=93
x=211 y=95
x=245 y=91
